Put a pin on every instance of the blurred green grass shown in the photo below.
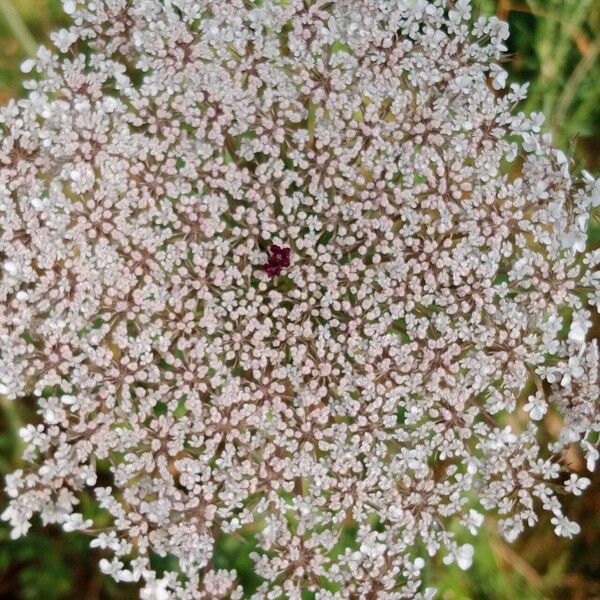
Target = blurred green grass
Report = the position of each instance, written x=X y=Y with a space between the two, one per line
x=554 y=44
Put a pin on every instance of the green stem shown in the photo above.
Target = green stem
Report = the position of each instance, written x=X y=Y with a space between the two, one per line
x=18 y=28
x=13 y=424
x=570 y=88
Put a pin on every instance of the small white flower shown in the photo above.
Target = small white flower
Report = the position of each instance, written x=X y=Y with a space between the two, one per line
x=75 y=522
x=27 y=65
x=69 y=6
x=592 y=454
x=11 y=268
x=109 y=567
x=127 y=576
x=578 y=331
x=155 y=590
x=475 y=521
x=575 y=484
x=465 y=556
x=511 y=528
x=563 y=527
x=536 y=407
x=593 y=187
x=499 y=78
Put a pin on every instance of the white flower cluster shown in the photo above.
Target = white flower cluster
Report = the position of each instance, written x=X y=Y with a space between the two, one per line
x=286 y=270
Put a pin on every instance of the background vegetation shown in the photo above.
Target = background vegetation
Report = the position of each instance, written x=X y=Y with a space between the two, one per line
x=555 y=44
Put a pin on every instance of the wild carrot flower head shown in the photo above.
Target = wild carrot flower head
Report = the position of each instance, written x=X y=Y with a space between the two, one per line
x=352 y=416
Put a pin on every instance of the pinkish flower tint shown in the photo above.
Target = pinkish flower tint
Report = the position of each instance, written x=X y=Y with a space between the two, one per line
x=442 y=305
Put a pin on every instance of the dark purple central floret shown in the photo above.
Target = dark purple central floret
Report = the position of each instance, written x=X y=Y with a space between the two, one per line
x=278 y=260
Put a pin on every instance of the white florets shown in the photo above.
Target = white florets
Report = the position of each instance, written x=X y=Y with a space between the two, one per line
x=281 y=270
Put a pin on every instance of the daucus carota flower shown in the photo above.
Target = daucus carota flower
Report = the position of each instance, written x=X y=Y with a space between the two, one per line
x=436 y=278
